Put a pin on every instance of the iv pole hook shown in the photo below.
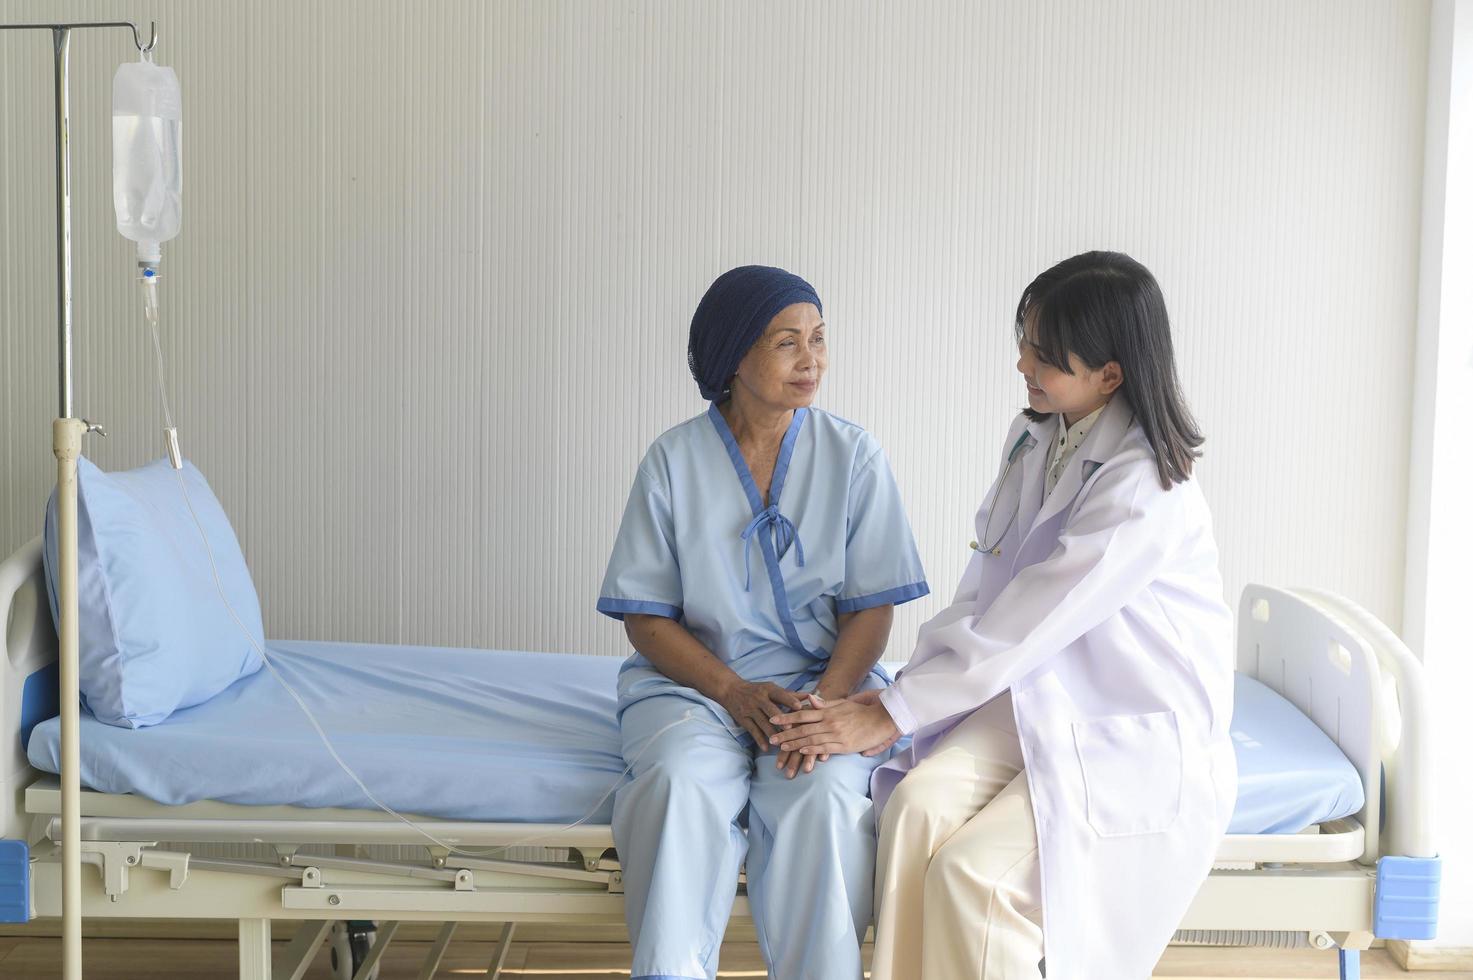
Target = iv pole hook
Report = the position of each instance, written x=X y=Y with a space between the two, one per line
x=153 y=37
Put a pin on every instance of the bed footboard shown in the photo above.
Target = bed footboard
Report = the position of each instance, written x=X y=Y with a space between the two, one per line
x=1360 y=684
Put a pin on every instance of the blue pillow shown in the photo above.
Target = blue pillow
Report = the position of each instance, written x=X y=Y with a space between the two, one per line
x=154 y=635
x=1290 y=774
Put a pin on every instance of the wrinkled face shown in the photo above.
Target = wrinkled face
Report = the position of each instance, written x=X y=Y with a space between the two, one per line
x=785 y=365
x=1054 y=391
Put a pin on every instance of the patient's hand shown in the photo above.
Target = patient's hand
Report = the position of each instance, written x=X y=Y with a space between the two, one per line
x=792 y=763
x=750 y=705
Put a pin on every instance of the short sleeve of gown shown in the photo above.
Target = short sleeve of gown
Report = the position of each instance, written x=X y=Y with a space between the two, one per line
x=881 y=564
x=644 y=572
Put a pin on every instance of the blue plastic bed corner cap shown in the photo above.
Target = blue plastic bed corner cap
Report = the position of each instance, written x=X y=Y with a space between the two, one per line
x=1406 y=897
x=15 y=881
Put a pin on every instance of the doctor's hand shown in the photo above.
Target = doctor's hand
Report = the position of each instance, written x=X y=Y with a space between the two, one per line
x=842 y=726
x=750 y=705
x=792 y=762
x=873 y=697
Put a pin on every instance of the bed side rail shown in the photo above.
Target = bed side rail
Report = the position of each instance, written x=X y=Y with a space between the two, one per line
x=27 y=676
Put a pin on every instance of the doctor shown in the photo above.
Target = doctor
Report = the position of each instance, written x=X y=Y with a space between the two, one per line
x=1071 y=772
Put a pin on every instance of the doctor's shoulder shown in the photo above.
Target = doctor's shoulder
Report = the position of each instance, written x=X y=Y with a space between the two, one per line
x=1133 y=473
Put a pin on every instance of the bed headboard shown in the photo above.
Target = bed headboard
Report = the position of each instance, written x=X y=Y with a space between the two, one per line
x=28 y=682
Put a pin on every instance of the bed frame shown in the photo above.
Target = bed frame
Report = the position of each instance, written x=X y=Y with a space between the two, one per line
x=1335 y=887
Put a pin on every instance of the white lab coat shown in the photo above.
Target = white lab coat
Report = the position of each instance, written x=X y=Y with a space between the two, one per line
x=1104 y=616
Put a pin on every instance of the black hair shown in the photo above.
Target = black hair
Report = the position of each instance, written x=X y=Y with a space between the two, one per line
x=1106 y=306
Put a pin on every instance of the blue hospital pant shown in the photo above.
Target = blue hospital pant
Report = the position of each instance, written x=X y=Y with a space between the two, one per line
x=809 y=849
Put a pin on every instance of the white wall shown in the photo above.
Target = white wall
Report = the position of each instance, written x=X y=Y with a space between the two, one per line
x=431 y=297
x=1439 y=535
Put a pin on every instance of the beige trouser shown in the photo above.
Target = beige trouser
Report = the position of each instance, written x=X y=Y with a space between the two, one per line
x=956 y=881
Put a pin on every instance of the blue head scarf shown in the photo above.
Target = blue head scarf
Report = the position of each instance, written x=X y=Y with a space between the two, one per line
x=733 y=315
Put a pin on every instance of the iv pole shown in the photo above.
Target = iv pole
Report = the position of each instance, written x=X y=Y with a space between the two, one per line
x=66 y=443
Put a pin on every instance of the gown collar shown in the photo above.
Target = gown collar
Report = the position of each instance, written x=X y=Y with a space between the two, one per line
x=766 y=518
x=779 y=471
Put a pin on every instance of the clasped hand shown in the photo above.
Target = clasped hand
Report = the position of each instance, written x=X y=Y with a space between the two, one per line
x=858 y=723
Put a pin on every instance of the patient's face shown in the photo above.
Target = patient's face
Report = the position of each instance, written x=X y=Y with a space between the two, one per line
x=784 y=367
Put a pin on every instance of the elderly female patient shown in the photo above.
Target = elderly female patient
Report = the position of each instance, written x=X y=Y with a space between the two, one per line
x=758 y=563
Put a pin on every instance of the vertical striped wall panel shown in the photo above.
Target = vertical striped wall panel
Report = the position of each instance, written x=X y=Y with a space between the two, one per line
x=430 y=299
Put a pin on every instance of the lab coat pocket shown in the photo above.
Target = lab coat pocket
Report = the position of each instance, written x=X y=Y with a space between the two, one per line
x=1132 y=768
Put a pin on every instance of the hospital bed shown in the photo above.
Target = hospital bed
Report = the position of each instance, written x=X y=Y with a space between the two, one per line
x=233 y=810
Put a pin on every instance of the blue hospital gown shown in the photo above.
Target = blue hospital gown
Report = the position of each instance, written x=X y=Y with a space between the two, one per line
x=760 y=587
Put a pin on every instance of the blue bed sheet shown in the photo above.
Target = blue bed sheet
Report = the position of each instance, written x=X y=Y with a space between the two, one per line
x=498 y=736
x=461 y=734
x=1290 y=774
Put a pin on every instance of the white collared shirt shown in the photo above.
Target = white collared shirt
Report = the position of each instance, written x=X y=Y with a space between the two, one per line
x=1067 y=439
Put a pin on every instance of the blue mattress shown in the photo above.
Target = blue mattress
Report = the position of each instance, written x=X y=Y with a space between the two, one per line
x=1290 y=774
x=460 y=734
x=496 y=736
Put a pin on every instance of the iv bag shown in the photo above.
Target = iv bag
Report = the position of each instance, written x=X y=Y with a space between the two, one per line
x=147 y=168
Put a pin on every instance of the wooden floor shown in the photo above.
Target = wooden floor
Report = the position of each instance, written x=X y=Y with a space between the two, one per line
x=23 y=958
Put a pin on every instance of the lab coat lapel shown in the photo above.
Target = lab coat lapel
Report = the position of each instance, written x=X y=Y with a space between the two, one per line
x=1101 y=443
x=1034 y=462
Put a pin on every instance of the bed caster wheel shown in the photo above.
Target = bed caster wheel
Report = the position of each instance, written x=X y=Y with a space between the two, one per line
x=351 y=942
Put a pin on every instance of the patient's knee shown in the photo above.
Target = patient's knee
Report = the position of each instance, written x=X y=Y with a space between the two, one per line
x=685 y=773
x=837 y=780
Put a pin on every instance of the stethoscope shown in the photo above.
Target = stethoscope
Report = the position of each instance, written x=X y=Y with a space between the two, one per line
x=994 y=549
